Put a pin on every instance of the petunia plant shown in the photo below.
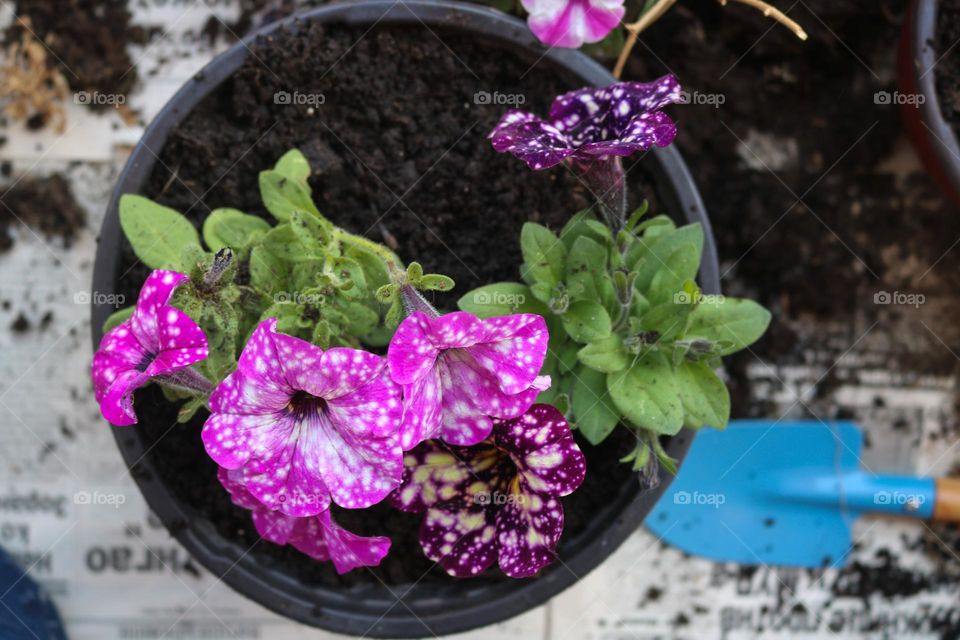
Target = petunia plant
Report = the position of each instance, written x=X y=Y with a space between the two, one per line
x=633 y=340
x=319 y=361
x=328 y=381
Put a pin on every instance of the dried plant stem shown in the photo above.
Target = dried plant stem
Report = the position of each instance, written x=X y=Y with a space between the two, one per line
x=772 y=12
x=634 y=29
x=662 y=6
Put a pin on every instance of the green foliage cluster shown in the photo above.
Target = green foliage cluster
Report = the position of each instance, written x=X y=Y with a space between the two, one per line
x=317 y=279
x=633 y=340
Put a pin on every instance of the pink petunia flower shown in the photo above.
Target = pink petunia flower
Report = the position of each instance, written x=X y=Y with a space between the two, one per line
x=570 y=23
x=158 y=341
x=320 y=537
x=495 y=501
x=459 y=372
x=306 y=426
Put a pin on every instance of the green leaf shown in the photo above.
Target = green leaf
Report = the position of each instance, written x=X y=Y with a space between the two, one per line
x=231 y=228
x=374 y=268
x=583 y=225
x=586 y=321
x=605 y=355
x=268 y=273
x=294 y=165
x=680 y=267
x=436 y=282
x=361 y=319
x=543 y=254
x=312 y=232
x=653 y=254
x=414 y=272
x=158 y=234
x=190 y=407
x=648 y=395
x=282 y=195
x=116 y=318
x=668 y=319
x=587 y=276
x=284 y=242
x=732 y=322
x=593 y=409
x=706 y=400
x=501 y=299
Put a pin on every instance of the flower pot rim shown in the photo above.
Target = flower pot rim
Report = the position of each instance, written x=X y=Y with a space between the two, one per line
x=940 y=136
x=375 y=611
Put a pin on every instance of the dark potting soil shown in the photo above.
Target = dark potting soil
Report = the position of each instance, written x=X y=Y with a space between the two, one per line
x=89 y=41
x=948 y=67
x=399 y=151
x=45 y=205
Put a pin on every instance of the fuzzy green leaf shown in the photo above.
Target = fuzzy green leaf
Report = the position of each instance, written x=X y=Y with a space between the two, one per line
x=605 y=355
x=582 y=225
x=268 y=273
x=731 y=322
x=651 y=255
x=648 y=395
x=586 y=321
x=231 y=228
x=436 y=282
x=706 y=400
x=593 y=409
x=282 y=195
x=158 y=234
x=680 y=267
x=294 y=166
x=373 y=265
x=587 y=277
x=543 y=255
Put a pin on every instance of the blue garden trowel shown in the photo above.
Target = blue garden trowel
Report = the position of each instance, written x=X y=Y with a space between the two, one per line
x=785 y=494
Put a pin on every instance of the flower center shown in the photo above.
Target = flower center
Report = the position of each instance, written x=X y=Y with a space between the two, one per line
x=145 y=361
x=303 y=404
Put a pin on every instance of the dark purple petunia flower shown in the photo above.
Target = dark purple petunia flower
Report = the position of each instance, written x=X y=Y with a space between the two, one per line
x=592 y=123
x=157 y=342
x=320 y=537
x=497 y=500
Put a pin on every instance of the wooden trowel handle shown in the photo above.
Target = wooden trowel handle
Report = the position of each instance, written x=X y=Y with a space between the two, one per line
x=946 y=507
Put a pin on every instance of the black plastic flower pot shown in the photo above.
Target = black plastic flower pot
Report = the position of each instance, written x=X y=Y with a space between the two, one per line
x=932 y=136
x=376 y=610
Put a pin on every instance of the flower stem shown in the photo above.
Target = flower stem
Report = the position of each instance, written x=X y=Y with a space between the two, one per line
x=605 y=179
x=188 y=379
x=388 y=256
x=414 y=301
